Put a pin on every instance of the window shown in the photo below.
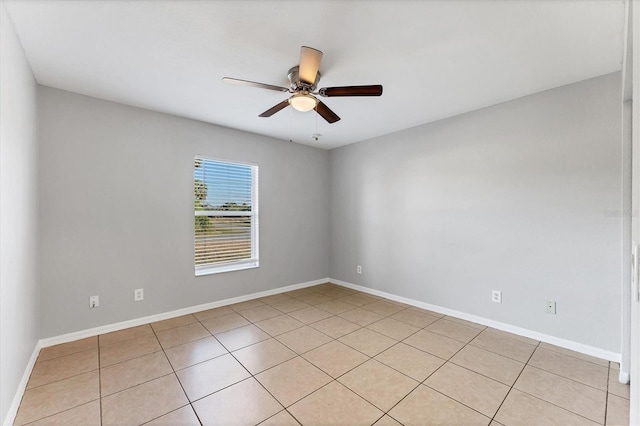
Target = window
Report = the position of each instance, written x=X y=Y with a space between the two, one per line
x=226 y=216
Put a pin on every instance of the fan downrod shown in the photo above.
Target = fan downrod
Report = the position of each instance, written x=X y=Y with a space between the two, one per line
x=297 y=85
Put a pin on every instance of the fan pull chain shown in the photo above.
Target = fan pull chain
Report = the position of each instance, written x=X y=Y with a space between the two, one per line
x=290 y=124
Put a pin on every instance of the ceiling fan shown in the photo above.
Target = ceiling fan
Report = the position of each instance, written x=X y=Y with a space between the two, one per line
x=304 y=79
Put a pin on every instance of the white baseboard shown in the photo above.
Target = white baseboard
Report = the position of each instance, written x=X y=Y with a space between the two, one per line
x=64 y=338
x=69 y=337
x=557 y=341
x=42 y=343
x=623 y=377
x=17 y=398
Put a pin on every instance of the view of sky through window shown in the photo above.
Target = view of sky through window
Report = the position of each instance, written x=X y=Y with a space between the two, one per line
x=225 y=183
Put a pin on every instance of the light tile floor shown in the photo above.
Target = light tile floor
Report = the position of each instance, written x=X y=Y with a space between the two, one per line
x=320 y=355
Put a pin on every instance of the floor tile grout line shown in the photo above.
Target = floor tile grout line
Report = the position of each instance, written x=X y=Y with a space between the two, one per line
x=191 y=402
x=385 y=412
x=172 y=319
x=558 y=406
x=497 y=353
x=273 y=415
x=173 y=329
x=60 y=380
x=55 y=381
x=297 y=400
x=572 y=356
x=274 y=336
x=200 y=320
x=150 y=324
x=448 y=361
x=99 y=380
x=200 y=362
x=334 y=315
x=327 y=384
x=127 y=340
x=378 y=419
x=75 y=375
x=177 y=380
x=333 y=339
x=62 y=356
x=573 y=360
x=131 y=359
x=60 y=412
x=186 y=342
x=252 y=376
x=514 y=383
x=327 y=373
x=570 y=379
x=396 y=344
x=174 y=373
x=397 y=341
x=606 y=396
x=294 y=417
x=138 y=384
x=393 y=368
x=459 y=402
x=480 y=374
x=452 y=338
x=512 y=336
x=368 y=356
x=163 y=348
x=470 y=343
x=273 y=366
x=172 y=411
x=250 y=323
x=337 y=315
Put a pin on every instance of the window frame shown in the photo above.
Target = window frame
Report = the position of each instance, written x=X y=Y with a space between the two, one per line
x=242 y=264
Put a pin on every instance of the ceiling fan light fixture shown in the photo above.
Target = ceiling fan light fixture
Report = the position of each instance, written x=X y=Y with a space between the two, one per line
x=303 y=102
x=304 y=79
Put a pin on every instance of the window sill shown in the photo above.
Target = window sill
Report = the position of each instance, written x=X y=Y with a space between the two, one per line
x=208 y=270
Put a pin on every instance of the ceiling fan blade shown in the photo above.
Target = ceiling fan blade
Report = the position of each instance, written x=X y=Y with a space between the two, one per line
x=326 y=113
x=254 y=84
x=373 y=90
x=274 y=109
x=309 y=64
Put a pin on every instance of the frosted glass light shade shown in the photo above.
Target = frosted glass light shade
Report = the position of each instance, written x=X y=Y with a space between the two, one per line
x=302 y=102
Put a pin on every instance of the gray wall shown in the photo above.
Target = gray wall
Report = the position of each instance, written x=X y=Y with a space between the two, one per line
x=116 y=211
x=523 y=197
x=18 y=214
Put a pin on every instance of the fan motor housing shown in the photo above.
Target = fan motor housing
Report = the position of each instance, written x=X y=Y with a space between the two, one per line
x=297 y=85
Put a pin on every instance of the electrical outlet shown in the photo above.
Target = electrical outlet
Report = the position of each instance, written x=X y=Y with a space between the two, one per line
x=496 y=296
x=359 y=269
x=551 y=307
x=138 y=294
x=94 y=301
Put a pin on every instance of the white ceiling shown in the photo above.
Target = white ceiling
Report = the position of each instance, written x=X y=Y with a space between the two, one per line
x=435 y=59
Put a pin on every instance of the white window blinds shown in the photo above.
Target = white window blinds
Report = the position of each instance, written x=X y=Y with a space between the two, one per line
x=226 y=216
